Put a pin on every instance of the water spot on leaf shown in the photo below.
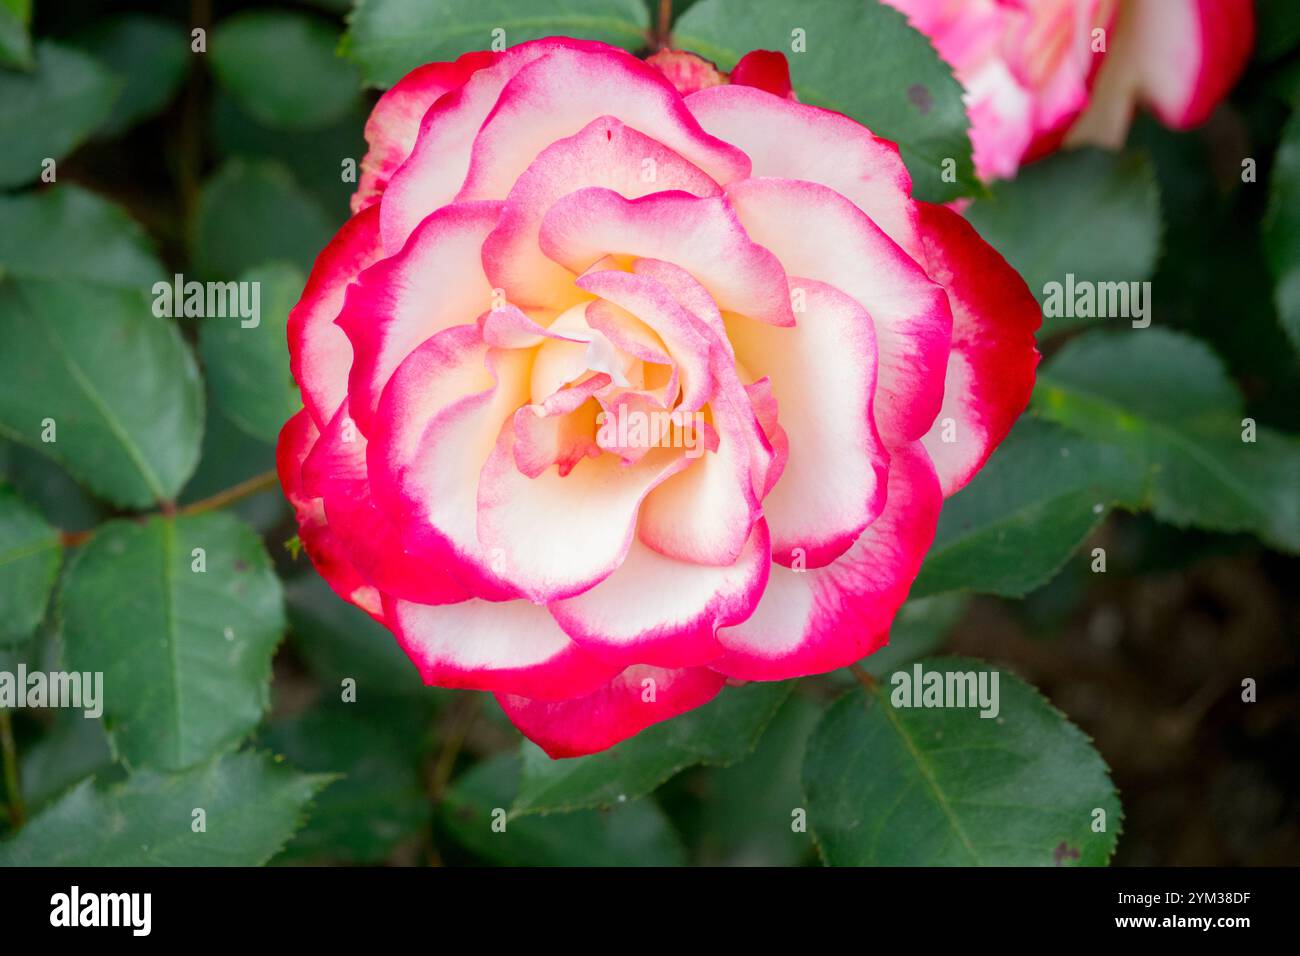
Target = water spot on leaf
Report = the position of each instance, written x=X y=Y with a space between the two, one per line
x=919 y=95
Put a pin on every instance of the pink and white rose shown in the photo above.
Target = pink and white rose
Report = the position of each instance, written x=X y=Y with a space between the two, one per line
x=556 y=237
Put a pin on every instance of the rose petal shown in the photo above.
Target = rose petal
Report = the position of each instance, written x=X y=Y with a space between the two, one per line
x=674 y=330
x=820 y=235
x=335 y=472
x=604 y=153
x=511 y=647
x=687 y=293
x=810 y=622
x=822 y=377
x=509 y=327
x=322 y=545
x=991 y=369
x=395 y=121
x=559 y=94
x=436 y=168
x=560 y=431
x=701 y=235
x=1179 y=59
x=794 y=141
x=319 y=352
x=767 y=412
x=434 y=283
x=558 y=536
x=766 y=70
x=658 y=610
x=705 y=513
x=437 y=425
x=1192 y=55
x=640 y=696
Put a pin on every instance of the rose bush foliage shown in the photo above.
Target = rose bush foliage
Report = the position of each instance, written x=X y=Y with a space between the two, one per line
x=557 y=237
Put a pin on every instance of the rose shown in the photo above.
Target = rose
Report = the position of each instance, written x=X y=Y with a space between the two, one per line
x=1040 y=72
x=553 y=247
x=1178 y=59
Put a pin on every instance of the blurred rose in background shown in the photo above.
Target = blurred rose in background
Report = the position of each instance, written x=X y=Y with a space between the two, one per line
x=1040 y=73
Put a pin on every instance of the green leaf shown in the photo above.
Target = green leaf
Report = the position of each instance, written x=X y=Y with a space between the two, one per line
x=15 y=40
x=720 y=732
x=747 y=809
x=252 y=213
x=248 y=368
x=1166 y=399
x=118 y=384
x=1213 y=279
x=1016 y=524
x=30 y=553
x=69 y=233
x=281 y=67
x=252 y=804
x=637 y=834
x=149 y=54
x=913 y=786
x=1281 y=235
x=389 y=38
x=47 y=113
x=47 y=486
x=73 y=748
x=862 y=59
x=316 y=156
x=41 y=652
x=379 y=802
x=185 y=653
x=340 y=641
x=1089 y=213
